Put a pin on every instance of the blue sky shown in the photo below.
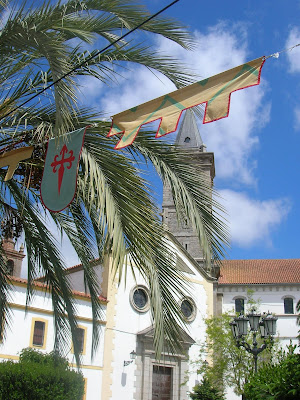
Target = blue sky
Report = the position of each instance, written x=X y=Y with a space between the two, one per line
x=257 y=147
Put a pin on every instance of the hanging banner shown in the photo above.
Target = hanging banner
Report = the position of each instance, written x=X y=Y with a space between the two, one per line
x=59 y=180
x=12 y=158
x=214 y=91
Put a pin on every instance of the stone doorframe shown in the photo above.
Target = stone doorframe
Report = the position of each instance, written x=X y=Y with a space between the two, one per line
x=145 y=361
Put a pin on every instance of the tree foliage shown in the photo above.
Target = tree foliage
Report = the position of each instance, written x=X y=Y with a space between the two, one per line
x=276 y=381
x=205 y=391
x=114 y=211
x=231 y=366
x=40 y=376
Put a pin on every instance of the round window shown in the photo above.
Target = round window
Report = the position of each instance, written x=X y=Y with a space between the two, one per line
x=188 y=309
x=139 y=298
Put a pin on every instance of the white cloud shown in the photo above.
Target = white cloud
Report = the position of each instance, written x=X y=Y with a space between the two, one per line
x=294 y=55
x=294 y=65
x=252 y=221
x=297 y=118
x=232 y=139
x=139 y=86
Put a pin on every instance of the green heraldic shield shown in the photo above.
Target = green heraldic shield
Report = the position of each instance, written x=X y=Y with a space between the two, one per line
x=59 y=181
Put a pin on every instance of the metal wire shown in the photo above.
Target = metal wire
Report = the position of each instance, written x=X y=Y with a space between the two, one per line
x=90 y=58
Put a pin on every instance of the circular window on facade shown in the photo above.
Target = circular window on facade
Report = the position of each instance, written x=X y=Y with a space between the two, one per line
x=188 y=309
x=139 y=298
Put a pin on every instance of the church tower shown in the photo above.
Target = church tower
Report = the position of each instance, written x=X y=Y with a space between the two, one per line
x=190 y=139
x=13 y=256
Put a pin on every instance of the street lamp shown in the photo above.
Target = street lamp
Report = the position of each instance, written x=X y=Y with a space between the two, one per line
x=264 y=323
x=132 y=357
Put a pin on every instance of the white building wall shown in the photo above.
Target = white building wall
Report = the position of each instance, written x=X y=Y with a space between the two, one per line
x=76 y=279
x=269 y=298
x=19 y=335
x=129 y=322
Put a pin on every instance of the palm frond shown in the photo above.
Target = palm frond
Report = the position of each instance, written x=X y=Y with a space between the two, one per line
x=193 y=195
x=114 y=201
x=44 y=257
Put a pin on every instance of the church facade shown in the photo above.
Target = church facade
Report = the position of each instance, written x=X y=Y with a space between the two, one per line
x=125 y=366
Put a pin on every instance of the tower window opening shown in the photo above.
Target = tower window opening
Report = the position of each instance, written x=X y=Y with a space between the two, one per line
x=10 y=267
x=187 y=139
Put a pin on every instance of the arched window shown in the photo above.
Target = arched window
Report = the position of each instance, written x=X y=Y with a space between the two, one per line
x=239 y=304
x=10 y=267
x=288 y=305
x=187 y=140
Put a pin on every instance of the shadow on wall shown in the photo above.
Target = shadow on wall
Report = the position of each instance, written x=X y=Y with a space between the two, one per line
x=123 y=379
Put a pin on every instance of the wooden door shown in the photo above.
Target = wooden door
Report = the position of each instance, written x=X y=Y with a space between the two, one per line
x=161 y=383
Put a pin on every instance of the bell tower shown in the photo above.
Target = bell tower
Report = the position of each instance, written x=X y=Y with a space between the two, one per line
x=14 y=257
x=189 y=138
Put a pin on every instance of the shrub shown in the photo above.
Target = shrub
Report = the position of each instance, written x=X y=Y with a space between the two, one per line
x=276 y=382
x=39 y=376
x=204 y=391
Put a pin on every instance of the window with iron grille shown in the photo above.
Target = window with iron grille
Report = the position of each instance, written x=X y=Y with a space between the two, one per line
x=288 y=305
x=80 y=339
x=239 y=305
x=38 y=333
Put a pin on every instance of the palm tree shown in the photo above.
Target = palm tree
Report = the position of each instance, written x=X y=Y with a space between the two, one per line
x=113 y=203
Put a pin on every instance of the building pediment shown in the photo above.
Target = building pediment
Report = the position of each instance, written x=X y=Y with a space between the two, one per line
x=148 y=334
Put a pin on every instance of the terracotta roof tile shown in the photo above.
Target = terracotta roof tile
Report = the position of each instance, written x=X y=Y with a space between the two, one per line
x=260 y=271
x=43 y=285
x=79 y=266
x=73 y=268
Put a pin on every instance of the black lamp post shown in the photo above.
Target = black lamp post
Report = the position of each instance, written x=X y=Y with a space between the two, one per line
x=265 y=324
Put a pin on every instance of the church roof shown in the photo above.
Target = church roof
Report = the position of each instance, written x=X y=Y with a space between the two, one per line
x=260 y=271
x=188 y=134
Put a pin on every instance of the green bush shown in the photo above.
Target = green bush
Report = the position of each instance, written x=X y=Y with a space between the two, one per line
x=204 y=391
x=39 y=376
x=276 y=382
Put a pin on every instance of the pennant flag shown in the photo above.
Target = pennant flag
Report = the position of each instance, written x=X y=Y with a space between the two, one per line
x=214 y=91
x=12 y=158
x=59 y=180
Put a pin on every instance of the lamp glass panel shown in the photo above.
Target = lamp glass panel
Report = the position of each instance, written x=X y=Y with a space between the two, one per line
x=254 y=321
x=263 y=331
x=271 y=325
x=242 y=324
x=234 y=329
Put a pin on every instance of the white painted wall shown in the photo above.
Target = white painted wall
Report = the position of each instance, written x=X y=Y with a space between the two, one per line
x=269 y=299
x=129 y=322
x=18 y=337
x=76 y=279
